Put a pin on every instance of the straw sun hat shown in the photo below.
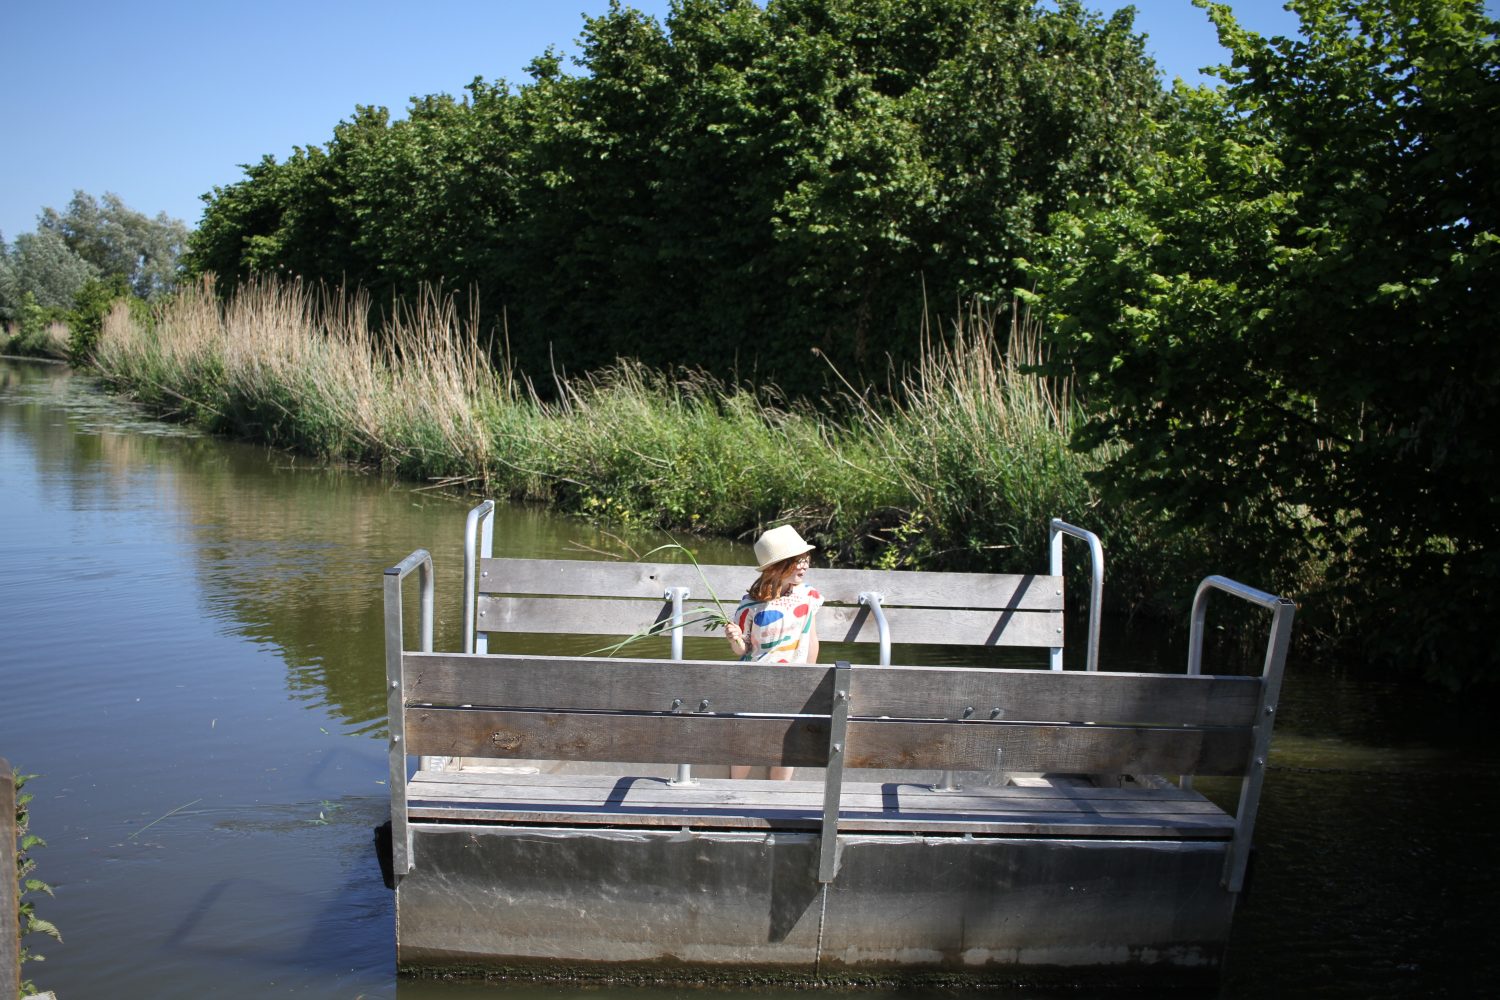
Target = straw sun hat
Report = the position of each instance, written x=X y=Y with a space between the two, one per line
x=779 y=543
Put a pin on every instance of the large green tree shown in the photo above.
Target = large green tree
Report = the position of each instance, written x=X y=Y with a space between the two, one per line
x=1284 y=322
x=730 y=189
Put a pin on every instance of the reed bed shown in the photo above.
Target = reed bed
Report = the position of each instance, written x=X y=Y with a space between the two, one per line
x=959 y=465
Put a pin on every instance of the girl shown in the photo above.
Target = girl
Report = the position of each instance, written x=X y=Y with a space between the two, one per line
x=776 y=622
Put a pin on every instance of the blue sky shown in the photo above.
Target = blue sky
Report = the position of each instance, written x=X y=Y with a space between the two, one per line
x=159 y=101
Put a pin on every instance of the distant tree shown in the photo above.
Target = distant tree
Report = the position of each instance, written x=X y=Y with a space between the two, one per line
x=1284 y=317
x=42 y=264
x=121 y=242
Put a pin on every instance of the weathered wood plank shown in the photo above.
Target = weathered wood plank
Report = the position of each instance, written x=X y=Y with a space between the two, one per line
x=705 y=739
x=866 y=807
x=514 y=681
x=618 y=617
x=859 y=797
x=584 y=578
x=497 y=680
x=1083 y=749
x=1011 y=695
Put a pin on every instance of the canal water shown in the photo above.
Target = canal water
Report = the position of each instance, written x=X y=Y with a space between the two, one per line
x=190 y=662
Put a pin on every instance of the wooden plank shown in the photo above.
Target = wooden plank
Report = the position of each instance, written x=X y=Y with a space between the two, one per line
x=10 y=898
x=866 y=806
x=517 y=681
x=554 y=615
x=705 y=739
x=1084 y=749
x=618 y=617
x=756 y=795
x=593 y=683
x=591 y=578
x=1011 y=695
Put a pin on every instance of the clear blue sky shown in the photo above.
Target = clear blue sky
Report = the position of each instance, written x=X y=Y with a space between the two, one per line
x=159 y=101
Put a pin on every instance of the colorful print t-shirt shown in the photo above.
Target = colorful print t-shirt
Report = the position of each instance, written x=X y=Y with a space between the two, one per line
x=778 y=629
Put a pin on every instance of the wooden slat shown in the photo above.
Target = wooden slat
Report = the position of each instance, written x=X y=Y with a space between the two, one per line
x=937 y=626
x=664 y=739
x=586 y=578
x=511 y=681
x=553 y=615
x=599 y=684
x=865 y=806
x=1011 y=695
x=1124 y=750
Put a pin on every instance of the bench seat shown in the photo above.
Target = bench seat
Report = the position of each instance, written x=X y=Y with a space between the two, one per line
x=1058 y=808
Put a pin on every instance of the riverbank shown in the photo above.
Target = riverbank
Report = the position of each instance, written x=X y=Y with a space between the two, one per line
x=961 y=469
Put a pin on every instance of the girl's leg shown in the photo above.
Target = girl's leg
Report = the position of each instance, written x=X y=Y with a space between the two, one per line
x=739 y=770
x=781 y=773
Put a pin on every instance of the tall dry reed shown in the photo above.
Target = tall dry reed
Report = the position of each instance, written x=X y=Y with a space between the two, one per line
x=960 y=467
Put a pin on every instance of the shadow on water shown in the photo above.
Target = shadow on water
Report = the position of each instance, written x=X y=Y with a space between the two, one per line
x=190 y=621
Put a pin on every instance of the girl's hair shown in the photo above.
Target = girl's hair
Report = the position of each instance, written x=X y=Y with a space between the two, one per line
x=775 y=579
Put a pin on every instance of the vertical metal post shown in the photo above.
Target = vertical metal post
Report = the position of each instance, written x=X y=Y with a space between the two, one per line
x=483 y=517
x=833 y=782
x=871 y=599
x=677 y=595
x=395 y=679
x=1249 y=804
x=1057 y=529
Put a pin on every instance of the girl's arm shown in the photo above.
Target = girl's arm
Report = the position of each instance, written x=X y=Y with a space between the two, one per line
x=812 y=640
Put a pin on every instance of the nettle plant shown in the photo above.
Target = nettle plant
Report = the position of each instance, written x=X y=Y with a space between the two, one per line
x=25 y=865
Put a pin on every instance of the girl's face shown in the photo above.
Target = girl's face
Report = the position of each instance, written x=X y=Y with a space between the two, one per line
x=799 y=569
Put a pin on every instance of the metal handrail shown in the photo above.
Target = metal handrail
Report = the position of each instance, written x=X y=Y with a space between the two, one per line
x=419 y=561
x=481 y=516
x=1283 y=612
x=1057 y=529
x=871 y=599
x=1200 y=612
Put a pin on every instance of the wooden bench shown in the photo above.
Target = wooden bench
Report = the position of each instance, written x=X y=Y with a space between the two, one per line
x=871 y=729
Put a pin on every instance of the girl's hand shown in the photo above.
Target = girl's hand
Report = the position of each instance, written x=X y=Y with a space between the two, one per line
x=737 y=641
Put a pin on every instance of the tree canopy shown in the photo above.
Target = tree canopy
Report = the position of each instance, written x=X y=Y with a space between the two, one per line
x=1282 y=318
x=730 y=190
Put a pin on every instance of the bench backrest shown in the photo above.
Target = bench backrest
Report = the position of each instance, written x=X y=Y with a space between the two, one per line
x=949 y=718
x=620 y=599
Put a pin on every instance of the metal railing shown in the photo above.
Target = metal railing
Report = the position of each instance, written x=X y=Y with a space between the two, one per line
x=1283 y=611
x=1057 y=529
x=482 y=547
x=421 y=563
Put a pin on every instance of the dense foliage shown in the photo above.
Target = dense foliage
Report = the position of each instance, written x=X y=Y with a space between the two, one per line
x=1284 y=317
x=730 y=189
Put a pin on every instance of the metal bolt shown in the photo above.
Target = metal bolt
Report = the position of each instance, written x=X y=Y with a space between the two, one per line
x=838 y=748
x=395 y=685
x=1270 y=709
x=395 y=739
x=703 y=705
x=485 y=573
x=967 y=712
x=841 y=696
x=676 y=704
x=994 y=713
x=1260 y=762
